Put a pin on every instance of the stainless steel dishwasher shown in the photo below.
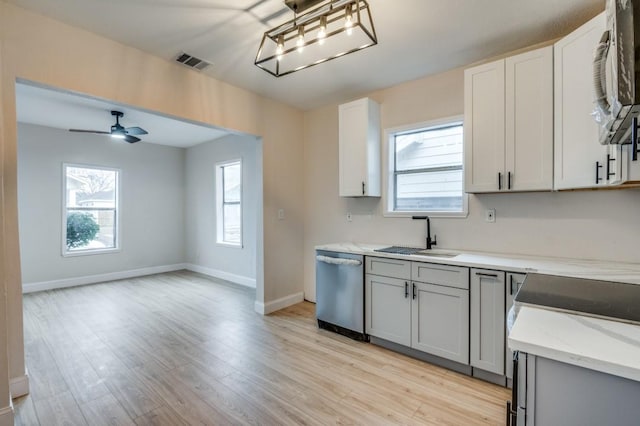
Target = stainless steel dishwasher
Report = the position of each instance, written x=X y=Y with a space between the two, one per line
x=340 y=293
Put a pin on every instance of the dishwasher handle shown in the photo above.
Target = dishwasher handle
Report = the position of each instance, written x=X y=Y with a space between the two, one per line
x=338 y=261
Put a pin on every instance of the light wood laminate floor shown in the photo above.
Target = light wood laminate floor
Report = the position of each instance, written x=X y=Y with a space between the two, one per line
x=179 y=348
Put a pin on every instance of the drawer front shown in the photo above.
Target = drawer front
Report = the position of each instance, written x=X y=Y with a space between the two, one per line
x=389 y=267
x=433 y=273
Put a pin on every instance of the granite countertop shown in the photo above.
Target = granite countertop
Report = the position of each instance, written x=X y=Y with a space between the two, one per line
x=608 y=346
x=595 y=269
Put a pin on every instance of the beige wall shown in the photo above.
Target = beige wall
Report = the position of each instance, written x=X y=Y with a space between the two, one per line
x=586 y=224
x=45 y=51
x=6 y=417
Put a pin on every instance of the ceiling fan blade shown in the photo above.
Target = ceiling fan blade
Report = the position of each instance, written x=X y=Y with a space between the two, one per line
x=136 y=131
x=131 y=139
x=100 y=132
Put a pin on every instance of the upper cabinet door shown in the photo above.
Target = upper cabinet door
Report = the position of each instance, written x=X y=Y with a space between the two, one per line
x=359 y=142
x=484 y=135
x=529 y=121
x=575 y=131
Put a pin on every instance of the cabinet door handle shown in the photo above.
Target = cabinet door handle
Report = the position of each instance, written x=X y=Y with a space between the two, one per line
x=414 y=292
x=406 y=289
x=511 y=282
x=363 y=188
x=598 y=167
x=634 y=139
x=499 y=181
x=609 y=172
x=509 y=180
x=484 y=274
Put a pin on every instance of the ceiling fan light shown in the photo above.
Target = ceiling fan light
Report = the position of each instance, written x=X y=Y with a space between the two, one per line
x=117 y=135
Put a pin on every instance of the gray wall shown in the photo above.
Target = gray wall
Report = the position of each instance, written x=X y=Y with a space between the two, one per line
x=151 y=203
x=234 y=263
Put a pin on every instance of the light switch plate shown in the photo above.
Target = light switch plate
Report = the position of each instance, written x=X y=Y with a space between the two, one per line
x=281 y=214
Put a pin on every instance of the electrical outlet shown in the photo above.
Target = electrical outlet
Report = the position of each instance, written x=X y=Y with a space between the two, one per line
x=349 y=217
x=281 y=214
x=490 y=215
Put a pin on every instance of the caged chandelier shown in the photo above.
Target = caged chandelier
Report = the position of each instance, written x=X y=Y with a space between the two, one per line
x=320 y=31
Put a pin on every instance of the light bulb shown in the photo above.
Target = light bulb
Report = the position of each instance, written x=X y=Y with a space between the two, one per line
x=322 y=32
x=348 y=20
x=300 y=42
x=280 y=47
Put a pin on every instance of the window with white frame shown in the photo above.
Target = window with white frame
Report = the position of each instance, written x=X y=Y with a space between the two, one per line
x=90 y=217
x=425 y=170
x=229 y=203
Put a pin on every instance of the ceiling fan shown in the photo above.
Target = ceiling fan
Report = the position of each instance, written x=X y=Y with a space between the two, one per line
x=117 y=130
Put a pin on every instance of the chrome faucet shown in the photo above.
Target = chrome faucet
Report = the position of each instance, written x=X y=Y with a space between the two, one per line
x=430 y=242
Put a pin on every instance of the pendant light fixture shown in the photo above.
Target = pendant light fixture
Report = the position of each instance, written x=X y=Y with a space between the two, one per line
x=320 y=31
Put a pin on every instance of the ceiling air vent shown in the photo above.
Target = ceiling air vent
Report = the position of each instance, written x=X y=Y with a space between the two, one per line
x=192 y=62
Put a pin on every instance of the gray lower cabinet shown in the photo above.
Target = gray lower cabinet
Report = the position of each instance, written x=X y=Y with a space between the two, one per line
x=440 y=324
x=430 y=315
x=487 y=351
x=514 y=282
x=388 y=309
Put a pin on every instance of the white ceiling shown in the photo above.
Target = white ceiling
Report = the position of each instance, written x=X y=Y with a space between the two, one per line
x=63 y=110
x=416 y=37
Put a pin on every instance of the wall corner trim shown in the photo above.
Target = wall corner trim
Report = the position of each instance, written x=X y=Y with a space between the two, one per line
x=6 y=416
x=276 y=305
x=227 y=276
x=94 y=279
x=19 y=386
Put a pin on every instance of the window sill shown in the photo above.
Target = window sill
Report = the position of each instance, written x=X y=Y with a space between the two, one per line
x=229 y=245
x=459 y=215
x=90 y=252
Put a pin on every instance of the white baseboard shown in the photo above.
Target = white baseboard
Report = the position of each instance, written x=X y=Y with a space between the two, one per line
x=93 y=279
x=276 y=305
x=19 y=386
x=6 y=416
x=227 y=276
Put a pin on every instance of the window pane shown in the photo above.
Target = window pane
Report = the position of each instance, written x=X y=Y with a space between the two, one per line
x=231 y=183
x=91 y=187
x=436 y=191
x=439 y=147
x=88 y=230
x=232 y=223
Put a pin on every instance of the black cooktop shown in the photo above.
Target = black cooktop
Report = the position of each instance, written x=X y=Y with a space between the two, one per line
x=605 y=299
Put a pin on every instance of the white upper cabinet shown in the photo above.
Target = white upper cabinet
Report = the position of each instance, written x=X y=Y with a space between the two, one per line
x=529 y=122
x=579 y=157
x=508 y=124
x=359 y=142
x=484 y=118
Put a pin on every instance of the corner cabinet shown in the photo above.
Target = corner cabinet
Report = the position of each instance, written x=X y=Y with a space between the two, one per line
x=508 y=124
x=487 y=350
x=359 y=148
